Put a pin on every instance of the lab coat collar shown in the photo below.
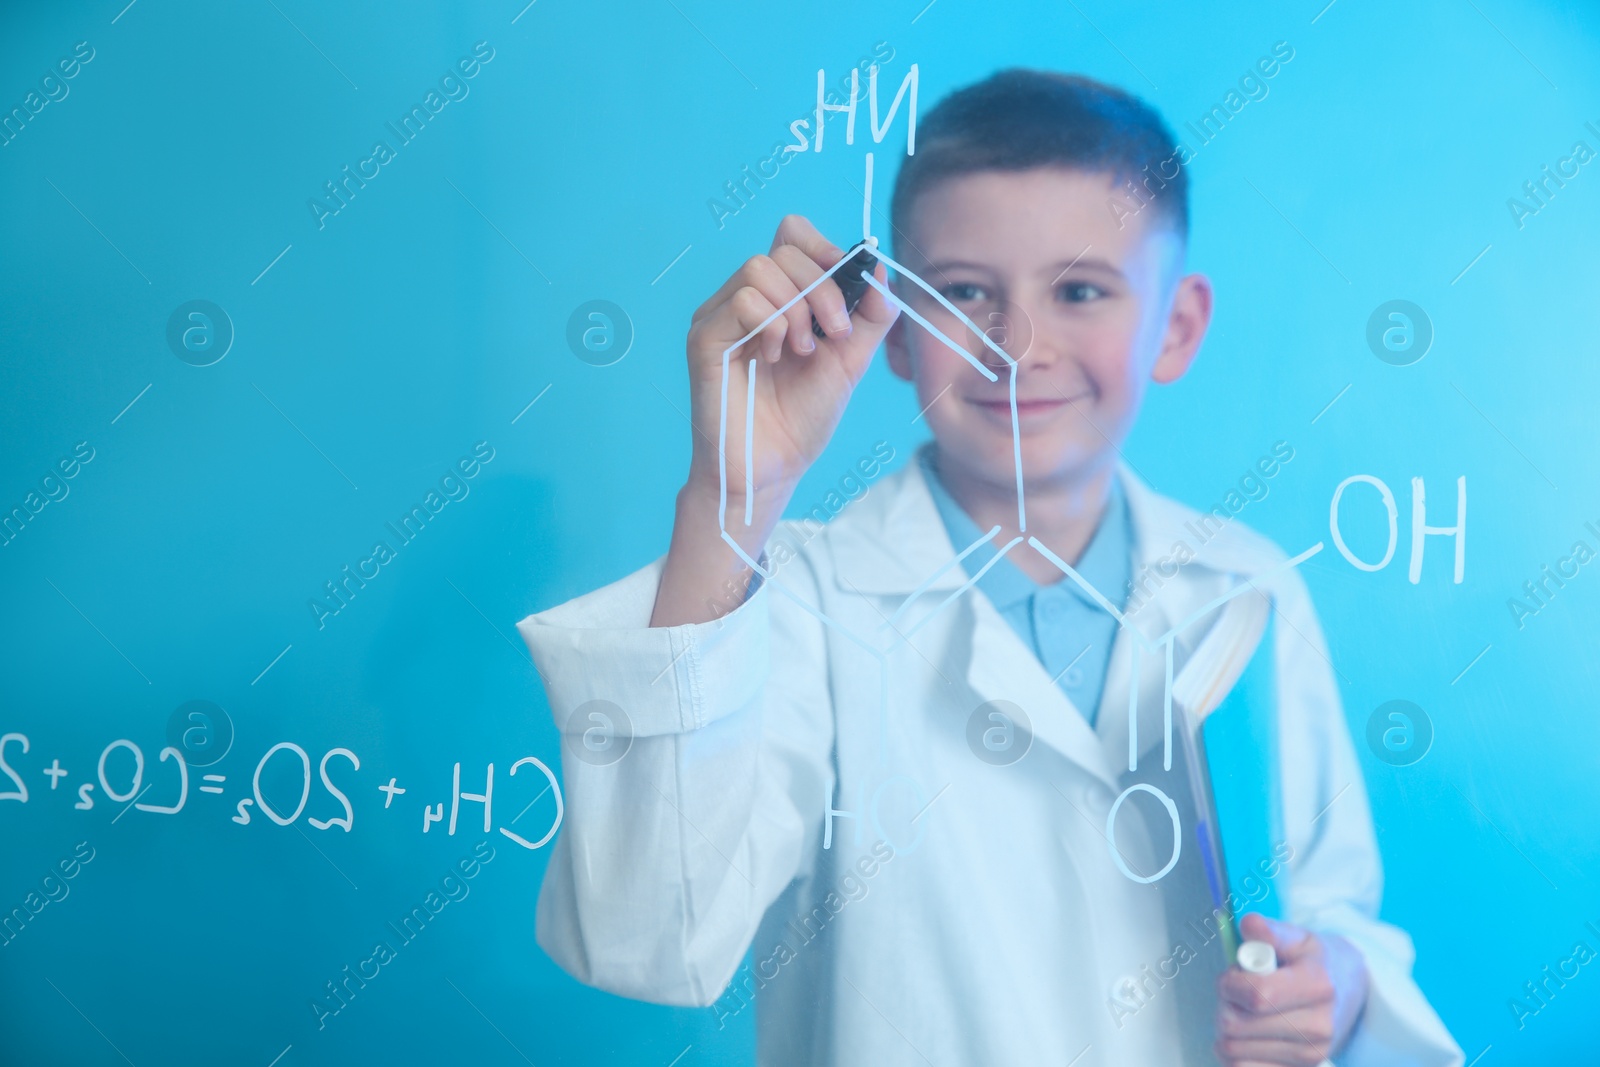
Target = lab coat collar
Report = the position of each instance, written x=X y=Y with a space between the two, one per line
x=1104 y=562
x=892 y=541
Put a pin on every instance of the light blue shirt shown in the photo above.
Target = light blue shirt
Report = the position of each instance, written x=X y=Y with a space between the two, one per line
x=1069 y=633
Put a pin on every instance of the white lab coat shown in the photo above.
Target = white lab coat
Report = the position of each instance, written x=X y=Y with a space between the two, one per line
x=999 y=929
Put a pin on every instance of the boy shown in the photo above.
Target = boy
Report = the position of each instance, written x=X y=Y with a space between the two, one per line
x=799 y=778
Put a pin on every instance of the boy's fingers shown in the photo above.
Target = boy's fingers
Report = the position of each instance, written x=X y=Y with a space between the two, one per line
x=724 y=293
x=1303 y=1036
x=873 y=318
x=797 y=230
x=750 y=307
x=1291 y=942
x=1252 y=994
x=794 y=230
x=1286 y=990
x=776 y=284
x=1257 y=927
x=1294 y=943
x=782 y=288
x=736 y=281
x=799 y=256
x=1266 y=1054
x=825 y=302
x=1310 y=1024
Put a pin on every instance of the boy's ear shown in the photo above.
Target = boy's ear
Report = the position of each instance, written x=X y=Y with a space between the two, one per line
x=1186 y=328
x=895 y=346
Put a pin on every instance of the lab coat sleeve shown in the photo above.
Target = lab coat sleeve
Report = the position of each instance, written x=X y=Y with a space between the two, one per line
x=670 y=855
x=1335 y=880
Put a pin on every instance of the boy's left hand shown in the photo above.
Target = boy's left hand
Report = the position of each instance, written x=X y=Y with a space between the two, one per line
x=1302 y=1013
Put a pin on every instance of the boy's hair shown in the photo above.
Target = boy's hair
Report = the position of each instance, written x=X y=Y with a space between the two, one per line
x=1019 y=119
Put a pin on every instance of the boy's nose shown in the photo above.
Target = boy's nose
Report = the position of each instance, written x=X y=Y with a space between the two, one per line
x=1010 y=327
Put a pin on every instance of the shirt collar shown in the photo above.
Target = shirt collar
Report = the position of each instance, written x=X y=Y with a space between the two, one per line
x=1106 y=563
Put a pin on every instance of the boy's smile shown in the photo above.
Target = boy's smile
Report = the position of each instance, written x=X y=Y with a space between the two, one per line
x=1091 y=313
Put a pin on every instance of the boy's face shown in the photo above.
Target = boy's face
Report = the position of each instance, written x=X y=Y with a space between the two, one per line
x=1091 y=313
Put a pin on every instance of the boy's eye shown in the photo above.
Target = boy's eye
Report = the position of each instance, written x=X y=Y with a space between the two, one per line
x=1079 y=292
x=964 y=292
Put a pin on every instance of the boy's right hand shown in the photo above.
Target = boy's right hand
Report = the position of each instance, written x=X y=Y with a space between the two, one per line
x=802 y=385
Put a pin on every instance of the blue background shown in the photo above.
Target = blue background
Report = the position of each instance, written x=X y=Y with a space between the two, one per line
x=431 y=310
